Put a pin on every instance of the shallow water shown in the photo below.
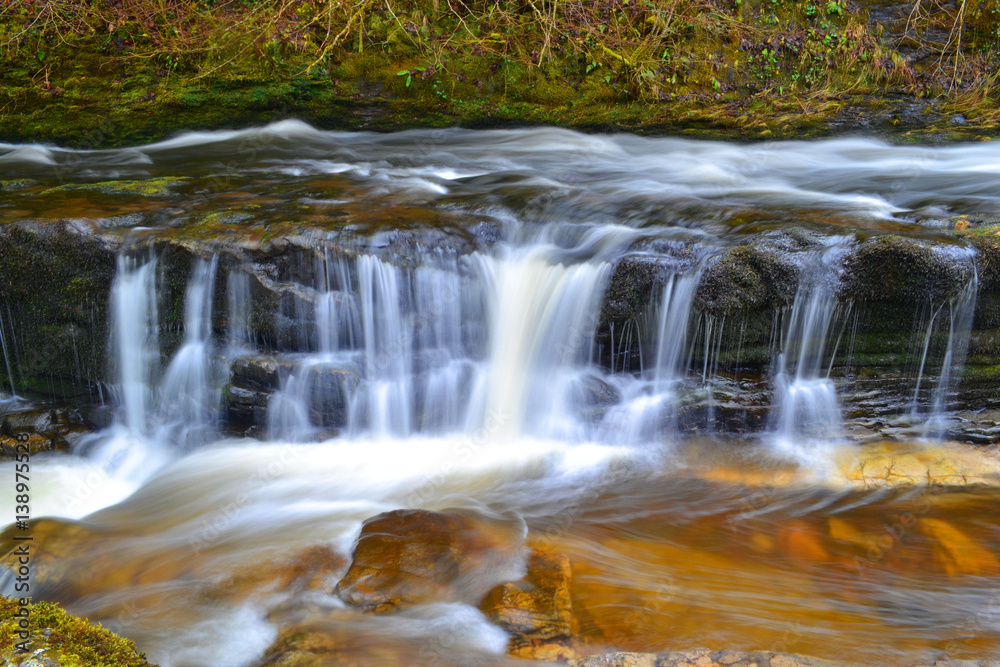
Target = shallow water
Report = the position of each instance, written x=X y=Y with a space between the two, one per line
x=468 y=385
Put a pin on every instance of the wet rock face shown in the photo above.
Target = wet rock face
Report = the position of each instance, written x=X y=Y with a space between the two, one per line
x=898 y=270
x=746 y=278
x=538 y=610
x=41 y=430
x=407 y=557
x=55 y=279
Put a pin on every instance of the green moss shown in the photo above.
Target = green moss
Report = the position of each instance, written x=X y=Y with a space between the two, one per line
x=759 y=68
x=898 y=270
x=15 y=184
x=71 y=641
x=151 y=187
x=746 y=278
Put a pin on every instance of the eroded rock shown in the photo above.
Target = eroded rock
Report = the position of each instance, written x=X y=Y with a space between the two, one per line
x=407 y=557
x=538 y=610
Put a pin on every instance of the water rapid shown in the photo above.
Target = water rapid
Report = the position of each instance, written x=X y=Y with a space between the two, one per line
x=677 y=362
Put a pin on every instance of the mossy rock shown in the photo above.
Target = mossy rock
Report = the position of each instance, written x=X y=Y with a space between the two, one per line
x=746 y=278
x=986 y=242
x=150 y=187
x=58 y=639
x=904 y=271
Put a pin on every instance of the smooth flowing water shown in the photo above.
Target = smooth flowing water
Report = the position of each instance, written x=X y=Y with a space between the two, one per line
x=439 y=333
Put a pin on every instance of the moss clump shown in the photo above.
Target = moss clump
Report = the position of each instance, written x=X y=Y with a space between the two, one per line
x=986 y=241
x=15 y=184
x=151 y=187
x=903 y=271
x=746 y=278
x=66 y=639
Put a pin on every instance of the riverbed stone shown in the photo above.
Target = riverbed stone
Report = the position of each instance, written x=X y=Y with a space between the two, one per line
x=702 y=658
x=407 y=557
x=537 y=611
x=905 y=464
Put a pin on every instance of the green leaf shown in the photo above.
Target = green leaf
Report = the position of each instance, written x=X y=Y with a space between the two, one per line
x=408 y=80
x=405 y=72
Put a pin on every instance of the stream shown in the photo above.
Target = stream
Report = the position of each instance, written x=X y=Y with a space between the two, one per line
x=300 y=330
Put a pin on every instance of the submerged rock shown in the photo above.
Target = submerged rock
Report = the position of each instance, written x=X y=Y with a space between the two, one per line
x=406 y=557
x=900 y=464
x=537 y=611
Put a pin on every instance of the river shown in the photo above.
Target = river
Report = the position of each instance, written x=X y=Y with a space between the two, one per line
x=303 y=329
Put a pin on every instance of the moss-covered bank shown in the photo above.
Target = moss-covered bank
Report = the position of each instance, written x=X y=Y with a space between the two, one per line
x=100 y=74
x=58 y=639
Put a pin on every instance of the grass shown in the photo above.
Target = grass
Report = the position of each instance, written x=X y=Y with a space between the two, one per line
x=752 y=65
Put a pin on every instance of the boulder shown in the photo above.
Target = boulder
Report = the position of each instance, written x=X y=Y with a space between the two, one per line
x=536 y=611
x=748 y=277
x=408 y=557
x=898 y=270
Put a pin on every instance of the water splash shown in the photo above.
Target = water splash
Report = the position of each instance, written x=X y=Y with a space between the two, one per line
x=806 y=407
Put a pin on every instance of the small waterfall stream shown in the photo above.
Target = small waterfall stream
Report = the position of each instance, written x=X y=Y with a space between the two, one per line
x=661 y=358
x=806 y=406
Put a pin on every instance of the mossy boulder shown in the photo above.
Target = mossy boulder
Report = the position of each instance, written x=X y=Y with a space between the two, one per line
x=748 y=277
x=902 y=270
x=57 y=639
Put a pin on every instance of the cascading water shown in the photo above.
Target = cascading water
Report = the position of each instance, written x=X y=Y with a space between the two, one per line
x=135 y=343
x=806 y=407
x=958 y=312
x=239 y=334
x=648 y=405
x=517 y=325
x=189 y=393
x=542 y=322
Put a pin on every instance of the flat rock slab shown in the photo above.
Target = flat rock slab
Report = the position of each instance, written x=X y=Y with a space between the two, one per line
x=408 y=557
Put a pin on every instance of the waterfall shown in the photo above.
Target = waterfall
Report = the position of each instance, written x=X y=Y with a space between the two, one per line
x=805 y=403
x=543 y=315
x=135 y=340
x=239 y=334
x=189 y=399
x=649 y=403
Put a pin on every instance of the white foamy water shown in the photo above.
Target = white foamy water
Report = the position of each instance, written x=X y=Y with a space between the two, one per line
x=475 y=378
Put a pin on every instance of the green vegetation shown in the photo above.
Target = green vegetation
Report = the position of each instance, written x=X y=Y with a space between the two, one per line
x=137 y=69
x=71 y=641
